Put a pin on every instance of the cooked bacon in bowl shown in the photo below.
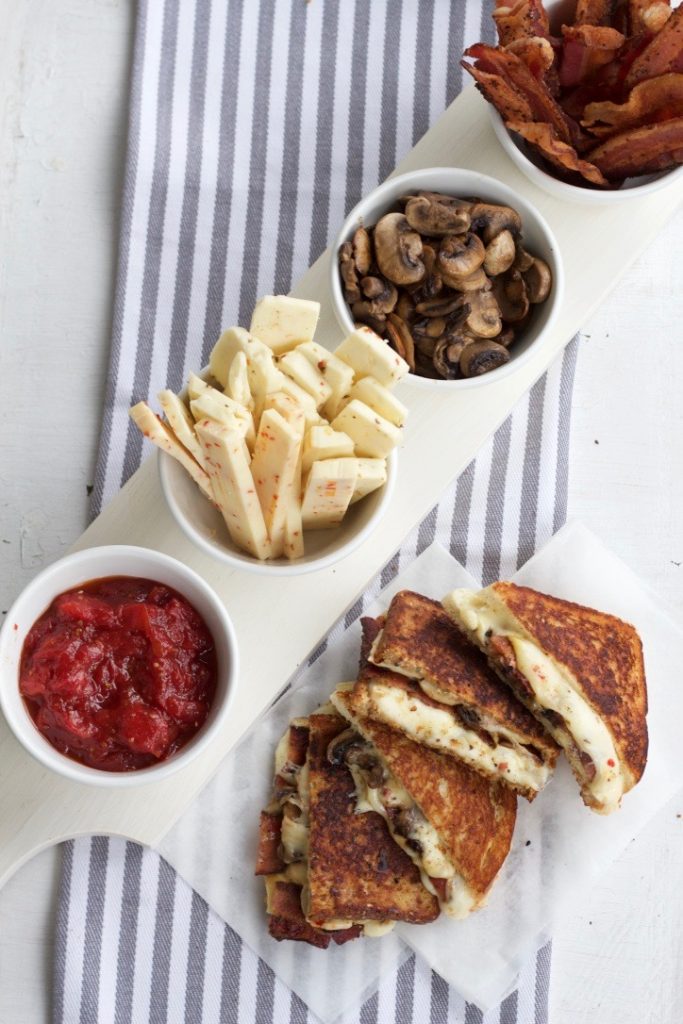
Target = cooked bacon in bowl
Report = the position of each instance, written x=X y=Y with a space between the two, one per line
x=599 y=102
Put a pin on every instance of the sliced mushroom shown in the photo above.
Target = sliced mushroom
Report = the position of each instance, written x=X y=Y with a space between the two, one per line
x=383 y=296
x=538 y=281
x=506 y=336
x=398 y=332
x=459 y=257
x=482 y=356
x=522 y=259
x=398 y=249
x=510 y=292
x=474 y=283
x=432 y=283
x=490 y=219
x=442 y=305
x=435 y=218
x=363 y=313
x=500 y=254
x=405 y=308
x=483 y=318
x=362 y=251
x=347 y=268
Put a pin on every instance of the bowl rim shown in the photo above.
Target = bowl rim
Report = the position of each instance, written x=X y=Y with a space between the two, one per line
x=411 y=180
x=279 y=567
x=77 y=562
x=562 y=189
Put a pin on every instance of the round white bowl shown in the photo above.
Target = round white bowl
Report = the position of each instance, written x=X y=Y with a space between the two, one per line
x=203 y=524
x=97 y=563
x=527 y=162
x=455 y=181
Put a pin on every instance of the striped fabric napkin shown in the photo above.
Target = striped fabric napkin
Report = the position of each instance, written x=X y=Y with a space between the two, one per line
x=254 y=127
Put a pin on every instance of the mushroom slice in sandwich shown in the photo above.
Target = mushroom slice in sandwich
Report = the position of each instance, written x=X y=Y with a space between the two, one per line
x=454 y=825
x=438 y=689
x=357 y=875
x=580 y=671
x=331 y=875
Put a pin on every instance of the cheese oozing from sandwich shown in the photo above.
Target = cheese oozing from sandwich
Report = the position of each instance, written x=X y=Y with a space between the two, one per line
x=554 y=689
x=295 y=834
x=416 y=837
x=442 y=730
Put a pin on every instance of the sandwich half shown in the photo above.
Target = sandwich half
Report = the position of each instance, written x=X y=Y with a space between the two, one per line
x=331 y=874
x=579 y=671
x=439 y=690
x=455 y=825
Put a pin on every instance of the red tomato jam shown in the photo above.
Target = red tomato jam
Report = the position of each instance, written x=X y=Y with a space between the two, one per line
x=119 y=674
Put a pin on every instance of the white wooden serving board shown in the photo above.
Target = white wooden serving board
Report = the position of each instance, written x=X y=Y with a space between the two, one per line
x=280 y=621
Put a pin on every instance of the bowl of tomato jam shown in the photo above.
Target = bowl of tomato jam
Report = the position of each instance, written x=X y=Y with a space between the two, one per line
x=117 y=665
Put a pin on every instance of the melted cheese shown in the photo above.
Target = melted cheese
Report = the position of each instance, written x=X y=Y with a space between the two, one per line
x=442 y=731
x=430 y=858
x=589 y=732
x=554 y=688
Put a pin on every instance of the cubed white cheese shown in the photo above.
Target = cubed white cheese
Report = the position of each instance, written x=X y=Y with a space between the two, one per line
x=372 y=473
x=306 y=375
x=338 y=374
x=370 y=356
x=323 y=442
x=380 y=399
x=372 y=435
x=328 y=492
x=283 y=322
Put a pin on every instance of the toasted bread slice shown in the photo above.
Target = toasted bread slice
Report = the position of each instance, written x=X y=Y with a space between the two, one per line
x=356 y=873
x=454 y=824
x=455 y=702
x=580 y=671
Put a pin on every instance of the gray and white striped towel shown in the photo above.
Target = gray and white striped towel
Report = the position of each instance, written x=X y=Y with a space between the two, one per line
x=254 y=127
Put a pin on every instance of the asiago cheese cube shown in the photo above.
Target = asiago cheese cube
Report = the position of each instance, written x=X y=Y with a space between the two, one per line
x=338 y=374
x=322 y=442
x=273 y=467
x=306 y=375
x=289 y=409
x=238 y=382
x=372 y=473
x=370 y=356
x=380 y=399
x=283 y=322
x=306 y=401
x=372 y=435
x=232 y=341
x=327 y=493
x=213 y=405
x=233 y=487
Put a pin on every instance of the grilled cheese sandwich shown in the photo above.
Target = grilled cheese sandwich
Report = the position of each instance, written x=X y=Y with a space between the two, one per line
x=571 y=677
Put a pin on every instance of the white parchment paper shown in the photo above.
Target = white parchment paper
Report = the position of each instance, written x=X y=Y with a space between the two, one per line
x=559 y=846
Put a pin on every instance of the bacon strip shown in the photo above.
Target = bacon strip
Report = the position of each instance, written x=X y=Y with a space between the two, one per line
x=664 y=53
x=542 y=138
x=644 y=150
x=654 y=100
x=648 y=16
x=537 y=54
x=593 y=12
x=516 y=74
x=585 y=49
x=507 y=101
x=520 y=20
x=287 y=919
x=268 y=859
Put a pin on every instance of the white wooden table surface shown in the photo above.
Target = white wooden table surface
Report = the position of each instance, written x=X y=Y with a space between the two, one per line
x=63 y=98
